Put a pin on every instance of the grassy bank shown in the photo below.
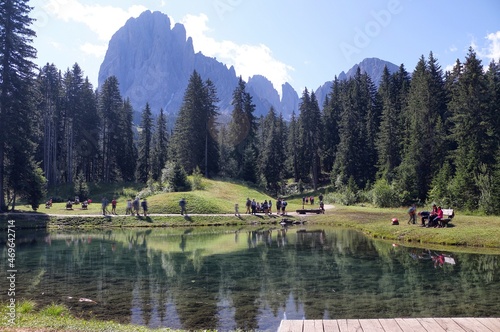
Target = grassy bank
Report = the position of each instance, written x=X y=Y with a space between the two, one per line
x=57 y=318
x=214 y=206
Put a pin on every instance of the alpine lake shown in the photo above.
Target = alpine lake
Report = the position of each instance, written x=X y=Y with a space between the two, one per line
x=246 y=278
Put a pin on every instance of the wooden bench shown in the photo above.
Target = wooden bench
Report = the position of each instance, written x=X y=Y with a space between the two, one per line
x=448 y=214
x=304 y=211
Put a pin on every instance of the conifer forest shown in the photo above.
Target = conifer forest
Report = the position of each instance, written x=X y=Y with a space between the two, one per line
x=427 y=135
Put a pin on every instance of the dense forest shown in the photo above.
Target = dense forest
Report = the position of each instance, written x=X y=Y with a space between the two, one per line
x=428 y=136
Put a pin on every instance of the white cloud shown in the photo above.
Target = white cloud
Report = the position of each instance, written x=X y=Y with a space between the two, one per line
x=248 y=60
x=493 y=49
x=93 y=49
x=103 y=20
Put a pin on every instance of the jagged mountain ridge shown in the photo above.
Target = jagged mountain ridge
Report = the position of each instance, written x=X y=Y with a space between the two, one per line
x=153 y=62
x=374 y=67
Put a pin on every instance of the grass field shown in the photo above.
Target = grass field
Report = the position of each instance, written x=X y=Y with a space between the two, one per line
x=215 y=206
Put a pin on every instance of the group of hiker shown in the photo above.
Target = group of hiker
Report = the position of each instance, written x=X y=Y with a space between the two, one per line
x=266 y=207
x=135 y=206
x=434 y=217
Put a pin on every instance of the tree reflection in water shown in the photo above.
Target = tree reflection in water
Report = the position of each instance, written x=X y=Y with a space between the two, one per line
x=248 y=279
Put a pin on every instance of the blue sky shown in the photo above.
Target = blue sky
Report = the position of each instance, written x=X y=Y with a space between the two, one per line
x=305 y=43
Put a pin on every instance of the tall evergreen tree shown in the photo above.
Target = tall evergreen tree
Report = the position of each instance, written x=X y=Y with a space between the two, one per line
x=144 y=164
x=389 y=136
x=110 y=104
x=194 y=140
x=242 y=133
x=310 y=133
x=49 y=89
x=16 y=104
x=126 y=151
x=293 y=160
x=209 y=116
x=423 y=149
x=271 y=154
x=331 y=117
x=160 y=145
x=356 y=154
x=469 y=110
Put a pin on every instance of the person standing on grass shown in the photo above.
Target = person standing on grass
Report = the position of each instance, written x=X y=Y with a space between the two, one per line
x=412 y=212
x=182 y=204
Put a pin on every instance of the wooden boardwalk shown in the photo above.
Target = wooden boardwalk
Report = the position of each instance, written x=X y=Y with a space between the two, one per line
x=466 y=324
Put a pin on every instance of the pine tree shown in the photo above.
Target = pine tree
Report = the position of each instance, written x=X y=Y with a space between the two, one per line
x=126 y=151
x=242 y=133
x=160 y=145
x=331 y=117
x=144 y=163
x=356 y=154
x=292 y=149
x=209 y=117
x=16 y=104
x=423 y=149
x=271 y=160
x=469 y=110
x=49 y=90
x=193 y=141
x=110 y=104
x=389 y=136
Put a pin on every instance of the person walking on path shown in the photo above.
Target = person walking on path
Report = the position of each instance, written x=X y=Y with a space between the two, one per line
x=135 y=205
x=113 y=206
x=236 y=210
x=144 y=205
x=182 y=204
x=129 y=207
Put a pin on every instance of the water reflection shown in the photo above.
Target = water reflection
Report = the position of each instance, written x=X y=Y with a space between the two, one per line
x=247 y=278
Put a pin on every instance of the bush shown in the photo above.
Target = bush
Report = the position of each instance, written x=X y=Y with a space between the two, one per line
x=384 y=195
x=197 y=183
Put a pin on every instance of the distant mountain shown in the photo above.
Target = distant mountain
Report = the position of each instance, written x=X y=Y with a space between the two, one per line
x=153 y=62
x=374 y=67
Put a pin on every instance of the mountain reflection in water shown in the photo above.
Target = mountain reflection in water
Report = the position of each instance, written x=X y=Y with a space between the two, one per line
x=249 y=279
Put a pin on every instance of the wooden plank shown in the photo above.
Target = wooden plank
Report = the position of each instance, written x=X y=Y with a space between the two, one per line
x=449 y=325
x=470 y=324
x=342 y=323
x=491 y=323
x=313 y=325
x=390 y=325
x=372 y=325
x=291 y=326
x=410 y=324
x=430 y=324
x=331 y=325
x=353 y=325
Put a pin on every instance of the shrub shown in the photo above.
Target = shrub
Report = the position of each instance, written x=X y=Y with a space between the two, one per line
x=384 y=195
